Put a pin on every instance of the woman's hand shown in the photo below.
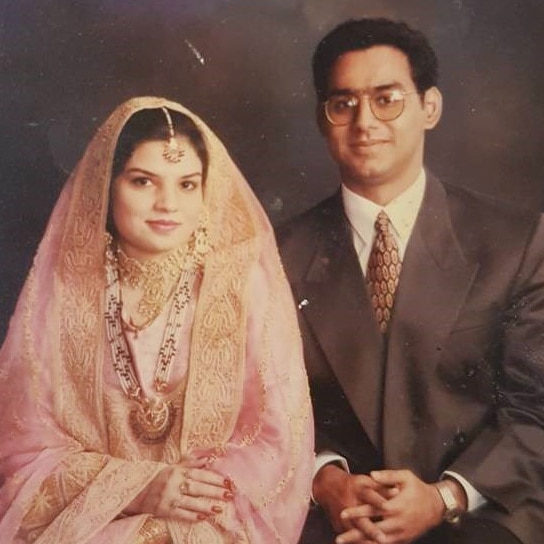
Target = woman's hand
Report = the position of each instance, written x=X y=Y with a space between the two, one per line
x=185 y=492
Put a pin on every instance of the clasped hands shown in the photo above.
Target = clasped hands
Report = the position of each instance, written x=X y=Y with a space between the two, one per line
x=185 y=492
x=385 y=507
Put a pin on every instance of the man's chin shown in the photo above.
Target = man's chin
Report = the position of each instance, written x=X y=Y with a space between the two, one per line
x=369 y=177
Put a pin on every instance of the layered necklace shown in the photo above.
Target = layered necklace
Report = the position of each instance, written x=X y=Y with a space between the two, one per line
x=152 y=418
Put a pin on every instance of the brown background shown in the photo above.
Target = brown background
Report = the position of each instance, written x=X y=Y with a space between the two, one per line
x=244 y=66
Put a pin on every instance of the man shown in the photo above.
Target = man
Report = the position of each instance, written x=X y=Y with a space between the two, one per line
x=422 y=312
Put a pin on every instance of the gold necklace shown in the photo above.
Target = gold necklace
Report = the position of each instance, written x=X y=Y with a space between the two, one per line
x=155 y=278
x=152 y=418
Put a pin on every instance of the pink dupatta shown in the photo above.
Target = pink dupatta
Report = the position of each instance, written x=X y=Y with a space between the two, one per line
x=245 y=407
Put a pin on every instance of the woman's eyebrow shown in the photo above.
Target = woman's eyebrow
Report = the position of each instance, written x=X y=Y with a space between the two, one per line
x=139 y=170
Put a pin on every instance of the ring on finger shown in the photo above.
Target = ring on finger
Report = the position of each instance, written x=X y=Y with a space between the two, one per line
x=184 y=487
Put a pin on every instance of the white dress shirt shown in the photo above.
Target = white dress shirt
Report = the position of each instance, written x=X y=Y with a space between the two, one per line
x=402 y=212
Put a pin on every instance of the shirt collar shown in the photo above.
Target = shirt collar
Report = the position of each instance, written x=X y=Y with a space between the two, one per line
x=402 y=210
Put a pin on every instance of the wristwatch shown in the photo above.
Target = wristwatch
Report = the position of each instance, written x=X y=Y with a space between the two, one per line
x=453 y=512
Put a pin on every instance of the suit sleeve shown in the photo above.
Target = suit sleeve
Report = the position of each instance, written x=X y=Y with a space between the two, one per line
x=505 y=461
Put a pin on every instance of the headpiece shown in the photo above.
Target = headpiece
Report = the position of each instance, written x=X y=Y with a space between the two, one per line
x=172 y=150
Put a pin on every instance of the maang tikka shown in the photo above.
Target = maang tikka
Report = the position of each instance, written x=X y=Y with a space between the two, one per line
x=173 y=152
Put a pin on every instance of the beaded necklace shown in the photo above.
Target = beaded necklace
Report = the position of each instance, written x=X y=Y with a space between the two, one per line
x=152 y=418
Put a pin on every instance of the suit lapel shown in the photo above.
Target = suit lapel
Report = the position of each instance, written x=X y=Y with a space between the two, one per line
x=338 y=311
x=435 y=279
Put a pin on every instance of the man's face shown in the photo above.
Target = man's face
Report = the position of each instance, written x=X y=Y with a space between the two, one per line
x=372 y=153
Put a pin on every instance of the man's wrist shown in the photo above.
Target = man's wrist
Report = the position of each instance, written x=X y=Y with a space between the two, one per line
x=454 y=499
x=325 y=479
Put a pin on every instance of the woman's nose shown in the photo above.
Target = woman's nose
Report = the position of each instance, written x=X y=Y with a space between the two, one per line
x=166 y=199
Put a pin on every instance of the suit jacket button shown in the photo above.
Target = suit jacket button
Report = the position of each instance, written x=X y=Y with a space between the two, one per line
x=460 y=439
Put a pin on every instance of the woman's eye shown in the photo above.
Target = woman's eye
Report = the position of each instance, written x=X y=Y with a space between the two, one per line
x=187 y=184
x=141 y=182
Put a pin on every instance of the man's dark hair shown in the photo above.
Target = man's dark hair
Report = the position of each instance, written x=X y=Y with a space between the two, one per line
x=362 y=34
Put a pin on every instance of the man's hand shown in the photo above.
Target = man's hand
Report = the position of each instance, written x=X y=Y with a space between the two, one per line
x=415 y=509
x=335 y=491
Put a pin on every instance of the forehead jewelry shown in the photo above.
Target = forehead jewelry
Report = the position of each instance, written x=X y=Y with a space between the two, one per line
x=172 y=150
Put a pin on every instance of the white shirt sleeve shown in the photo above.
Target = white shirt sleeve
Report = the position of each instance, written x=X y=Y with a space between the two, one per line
x=326 y=457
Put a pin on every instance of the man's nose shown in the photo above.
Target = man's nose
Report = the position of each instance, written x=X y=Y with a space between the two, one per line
x=363 y=116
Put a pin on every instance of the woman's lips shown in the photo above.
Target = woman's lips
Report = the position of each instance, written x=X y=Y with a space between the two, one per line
x=162 y=225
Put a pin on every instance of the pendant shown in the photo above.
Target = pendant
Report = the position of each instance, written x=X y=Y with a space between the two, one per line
x=152 y=420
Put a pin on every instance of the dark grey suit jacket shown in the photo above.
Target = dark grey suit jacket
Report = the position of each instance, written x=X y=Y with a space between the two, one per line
x=459 y=382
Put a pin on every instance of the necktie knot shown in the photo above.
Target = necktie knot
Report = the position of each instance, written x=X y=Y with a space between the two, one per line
x=382 y=223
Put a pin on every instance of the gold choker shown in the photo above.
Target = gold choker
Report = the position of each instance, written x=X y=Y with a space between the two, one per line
x=156 y=279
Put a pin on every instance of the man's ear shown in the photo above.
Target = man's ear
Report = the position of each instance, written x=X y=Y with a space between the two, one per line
x=432 y=104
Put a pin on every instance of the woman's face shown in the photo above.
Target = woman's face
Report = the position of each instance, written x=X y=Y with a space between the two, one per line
x=156 y=203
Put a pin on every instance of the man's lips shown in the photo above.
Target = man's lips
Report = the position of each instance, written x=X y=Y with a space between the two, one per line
x=367 y=148
x=367 y=143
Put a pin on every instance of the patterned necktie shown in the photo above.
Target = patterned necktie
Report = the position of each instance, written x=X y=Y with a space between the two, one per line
x=383 y=271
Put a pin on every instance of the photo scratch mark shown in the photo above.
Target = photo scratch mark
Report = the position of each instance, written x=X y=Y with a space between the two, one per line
x=196 y=52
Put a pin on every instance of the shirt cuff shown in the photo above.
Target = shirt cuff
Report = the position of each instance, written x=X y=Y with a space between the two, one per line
x=327 y=457
x=474 y=498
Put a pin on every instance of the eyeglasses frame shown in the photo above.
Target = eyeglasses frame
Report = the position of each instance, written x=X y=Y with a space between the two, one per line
x=360 y=97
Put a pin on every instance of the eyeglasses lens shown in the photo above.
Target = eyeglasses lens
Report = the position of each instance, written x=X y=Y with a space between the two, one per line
x=385 y=106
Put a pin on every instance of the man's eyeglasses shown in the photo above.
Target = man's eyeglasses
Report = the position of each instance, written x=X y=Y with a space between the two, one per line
x=385 y=105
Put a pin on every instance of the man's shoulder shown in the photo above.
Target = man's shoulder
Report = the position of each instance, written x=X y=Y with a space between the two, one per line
x=309 y=223
x=488 y=216
x=485 y=225
x=298 y=238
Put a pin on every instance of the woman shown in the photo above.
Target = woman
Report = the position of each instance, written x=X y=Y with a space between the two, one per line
x=151 y=383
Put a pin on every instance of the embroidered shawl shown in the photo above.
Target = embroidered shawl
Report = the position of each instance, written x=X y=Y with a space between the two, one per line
x=67 y=473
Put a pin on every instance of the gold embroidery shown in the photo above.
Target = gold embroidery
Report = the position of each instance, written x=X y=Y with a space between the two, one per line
x=153 y=531
x=58 y=490
x=102 y=500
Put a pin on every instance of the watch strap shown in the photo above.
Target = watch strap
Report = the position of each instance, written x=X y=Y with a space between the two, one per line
x=452 y=514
